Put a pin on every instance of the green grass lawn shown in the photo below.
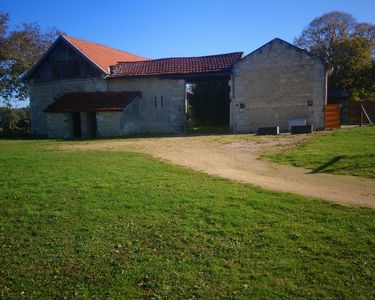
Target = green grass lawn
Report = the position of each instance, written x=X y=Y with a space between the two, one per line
x=349 y=152
x=108 y=225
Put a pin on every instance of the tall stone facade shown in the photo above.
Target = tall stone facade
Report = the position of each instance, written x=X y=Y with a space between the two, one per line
x=275 y=83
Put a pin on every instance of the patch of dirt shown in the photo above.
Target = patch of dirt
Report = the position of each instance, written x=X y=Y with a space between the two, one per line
x=237 y=158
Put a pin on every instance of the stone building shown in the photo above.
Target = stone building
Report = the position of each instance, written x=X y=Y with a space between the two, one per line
x=275 y=83
x=83 y=89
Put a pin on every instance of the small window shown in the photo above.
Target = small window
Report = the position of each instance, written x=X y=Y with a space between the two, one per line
x=155 y=103
x=161 y=102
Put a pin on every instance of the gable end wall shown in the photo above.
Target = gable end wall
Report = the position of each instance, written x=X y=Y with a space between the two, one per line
x=274 y=84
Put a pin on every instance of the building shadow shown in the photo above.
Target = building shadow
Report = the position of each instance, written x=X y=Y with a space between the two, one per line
x=324 y=166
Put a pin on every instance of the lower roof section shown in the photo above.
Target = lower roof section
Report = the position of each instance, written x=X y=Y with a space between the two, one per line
x=92 y=102
x=178 y=67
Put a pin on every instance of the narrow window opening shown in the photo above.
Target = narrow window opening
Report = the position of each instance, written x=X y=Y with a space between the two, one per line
x=161 y=101
x=155 y=103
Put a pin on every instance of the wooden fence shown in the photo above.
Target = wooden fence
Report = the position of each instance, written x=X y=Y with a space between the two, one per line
x=332 y=116
x=354 y=111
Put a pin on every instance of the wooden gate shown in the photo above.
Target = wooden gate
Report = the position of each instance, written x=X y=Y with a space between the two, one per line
x=332 y=116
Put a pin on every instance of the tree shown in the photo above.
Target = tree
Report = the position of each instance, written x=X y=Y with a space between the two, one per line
x=210 y=102
x=349 y=46
x=11 y=118
x=354 y=69
x=3 y=28
x=20 y=50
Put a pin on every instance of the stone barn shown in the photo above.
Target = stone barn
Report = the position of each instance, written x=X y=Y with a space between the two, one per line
x=80 y=89
x=275 y=83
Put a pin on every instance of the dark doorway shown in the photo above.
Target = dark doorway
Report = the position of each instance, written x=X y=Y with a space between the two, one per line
x=77 y=132
x=91 y=125
x=208 y=106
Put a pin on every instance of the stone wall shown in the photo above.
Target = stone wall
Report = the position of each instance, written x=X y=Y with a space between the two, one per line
x=161 y=108
x=130 y=122
x=60 y=125
x=108 y=124
x=275 y=83
x=43 y=94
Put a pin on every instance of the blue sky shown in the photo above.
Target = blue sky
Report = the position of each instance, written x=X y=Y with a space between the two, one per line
x=168 y=28
x=180 y=28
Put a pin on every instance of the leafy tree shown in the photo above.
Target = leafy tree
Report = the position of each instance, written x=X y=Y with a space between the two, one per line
x=354 y=67
x=20 y=50
x=210 y=102
x=349 y=46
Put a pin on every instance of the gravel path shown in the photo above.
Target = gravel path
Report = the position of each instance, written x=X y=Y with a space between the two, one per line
x=236 y=158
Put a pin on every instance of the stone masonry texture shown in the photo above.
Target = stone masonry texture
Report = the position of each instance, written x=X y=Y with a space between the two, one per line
x=276 y=83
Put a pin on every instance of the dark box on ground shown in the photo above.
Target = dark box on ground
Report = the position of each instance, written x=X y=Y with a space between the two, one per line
x=302 y=129
x=268 y=130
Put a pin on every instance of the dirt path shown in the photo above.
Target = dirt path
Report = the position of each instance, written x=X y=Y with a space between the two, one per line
x=237 y=159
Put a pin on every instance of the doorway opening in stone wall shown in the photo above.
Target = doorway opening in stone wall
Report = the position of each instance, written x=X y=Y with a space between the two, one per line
x=77 y=130
x=208 y=106
x=91 y=125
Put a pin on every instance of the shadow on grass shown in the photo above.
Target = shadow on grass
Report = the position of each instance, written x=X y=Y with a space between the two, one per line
x=356 y=165
x=190 y=131
x=21 y=137
x=324 y=166
x=130 y=136
x=196 y=131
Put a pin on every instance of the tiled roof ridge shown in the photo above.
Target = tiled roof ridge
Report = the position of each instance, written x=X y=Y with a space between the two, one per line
x=176 y=65
x=182 y=57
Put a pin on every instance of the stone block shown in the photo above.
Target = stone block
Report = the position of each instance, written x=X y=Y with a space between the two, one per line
x=302 y=129
x=268 y=130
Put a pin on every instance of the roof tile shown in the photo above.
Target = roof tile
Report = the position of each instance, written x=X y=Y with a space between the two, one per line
x=176 y=65
x=103 y=56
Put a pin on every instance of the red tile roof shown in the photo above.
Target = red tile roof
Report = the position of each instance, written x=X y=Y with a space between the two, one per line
x=92 y=102
x=177 y=66
x=101 y=55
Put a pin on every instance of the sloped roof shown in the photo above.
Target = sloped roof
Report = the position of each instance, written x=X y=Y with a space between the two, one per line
x=101 y=55
x=176 y=66
x=92 y=102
